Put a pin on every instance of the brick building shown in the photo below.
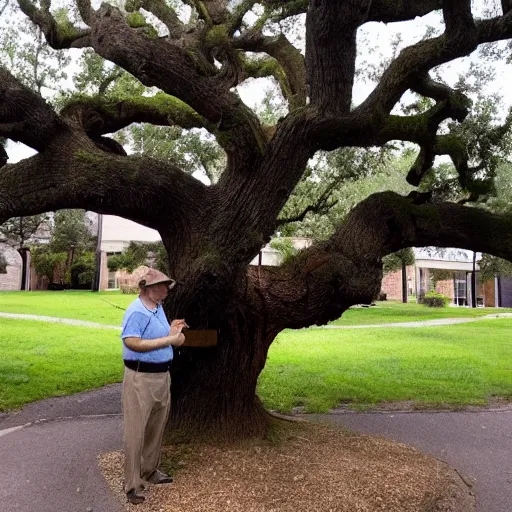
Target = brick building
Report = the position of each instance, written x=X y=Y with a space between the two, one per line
x=10 y=281
x=448 y=271
x=116 y=234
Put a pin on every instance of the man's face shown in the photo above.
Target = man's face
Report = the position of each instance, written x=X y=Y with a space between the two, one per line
x=158 y=292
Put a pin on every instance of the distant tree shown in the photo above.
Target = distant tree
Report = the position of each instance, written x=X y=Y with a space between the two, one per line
x=68 y=258
x=49 y=264
x=136 y=254
x=71 y=230
x=17 y=231
x=397 y=260
x=83 y=270
x=490 y=267
x=439 y=274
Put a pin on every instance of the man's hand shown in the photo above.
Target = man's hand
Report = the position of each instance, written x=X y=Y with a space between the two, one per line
x=177 y=326
x=179 y=340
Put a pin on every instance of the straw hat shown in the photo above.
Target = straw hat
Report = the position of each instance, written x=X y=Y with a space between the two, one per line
x=154 y=276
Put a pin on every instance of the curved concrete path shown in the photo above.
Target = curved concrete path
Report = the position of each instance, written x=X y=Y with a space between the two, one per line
x=49 y=449
x=58 y=320
x=420 y=323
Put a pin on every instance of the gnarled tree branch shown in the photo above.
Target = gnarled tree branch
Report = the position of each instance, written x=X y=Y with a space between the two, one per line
x=3 y=6
x=331 y=49
x=423 y=56
x=321 y=206
x=74 y=173
x=173 y=69
x=451 y=103
x=212 y=12
x=326 y=279
x=238 y=15
x=24 y=116
x=59 y=36
x=4 y=157
x=166 y=14
x=291 y=61
x=397 y=10
x=386 y=11
x=371 y=119
x=71 y=171
x=99 y=115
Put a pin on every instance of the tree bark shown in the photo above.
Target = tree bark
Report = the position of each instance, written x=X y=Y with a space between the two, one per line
x=331 y=49
x=214 y=388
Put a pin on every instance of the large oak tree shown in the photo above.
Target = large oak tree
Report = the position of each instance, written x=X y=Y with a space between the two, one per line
x=213 y=232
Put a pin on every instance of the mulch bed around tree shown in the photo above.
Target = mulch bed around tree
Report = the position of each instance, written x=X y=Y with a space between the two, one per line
x=312 y=468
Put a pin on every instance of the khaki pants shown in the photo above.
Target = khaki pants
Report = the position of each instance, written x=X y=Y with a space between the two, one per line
x=146 y=405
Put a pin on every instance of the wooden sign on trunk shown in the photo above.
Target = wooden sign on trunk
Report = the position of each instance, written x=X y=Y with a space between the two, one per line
x=200 y=338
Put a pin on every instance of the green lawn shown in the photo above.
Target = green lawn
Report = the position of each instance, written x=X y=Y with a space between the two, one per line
x=81 y=305
x=315 y=368
x=433 y=366
x=40 y=360
x=100 y=308
x=390 y=312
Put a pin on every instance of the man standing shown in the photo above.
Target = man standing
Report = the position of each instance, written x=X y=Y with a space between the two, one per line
x=148 y=342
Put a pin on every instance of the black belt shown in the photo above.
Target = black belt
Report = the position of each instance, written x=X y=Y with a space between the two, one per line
x=141 y=366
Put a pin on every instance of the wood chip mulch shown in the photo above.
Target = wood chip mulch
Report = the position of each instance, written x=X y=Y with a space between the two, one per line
x=314 y=468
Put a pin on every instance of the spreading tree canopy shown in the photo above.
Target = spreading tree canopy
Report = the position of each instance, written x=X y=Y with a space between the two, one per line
x=188 y=57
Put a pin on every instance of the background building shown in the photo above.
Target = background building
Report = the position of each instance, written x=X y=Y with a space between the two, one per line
x=116 y=234
x=448 y=271
x=10 y=281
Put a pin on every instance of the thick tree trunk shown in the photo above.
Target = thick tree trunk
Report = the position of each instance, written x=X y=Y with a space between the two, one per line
x=214 y=389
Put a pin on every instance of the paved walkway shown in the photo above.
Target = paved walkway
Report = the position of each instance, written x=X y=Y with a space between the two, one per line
x=421 y=323
x=48 y=450
x=53 y=466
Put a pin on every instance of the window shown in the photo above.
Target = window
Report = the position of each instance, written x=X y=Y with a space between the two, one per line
x=460 y=289
x=426 y=282
x=112 y=280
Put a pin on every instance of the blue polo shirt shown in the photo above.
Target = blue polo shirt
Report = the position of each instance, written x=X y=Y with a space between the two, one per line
x=147 y=324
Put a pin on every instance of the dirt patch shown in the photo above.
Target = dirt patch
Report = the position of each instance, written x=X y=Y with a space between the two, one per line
x=313 y=468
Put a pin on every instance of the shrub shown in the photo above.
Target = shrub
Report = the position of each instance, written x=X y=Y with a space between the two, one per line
x=285 y=247
x=435 y=300
x=129 y=289
x=50 y=264
x=83 y=270
x=152 y=254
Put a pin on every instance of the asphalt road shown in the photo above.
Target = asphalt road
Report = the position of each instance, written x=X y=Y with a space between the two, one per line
x=53 y=467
